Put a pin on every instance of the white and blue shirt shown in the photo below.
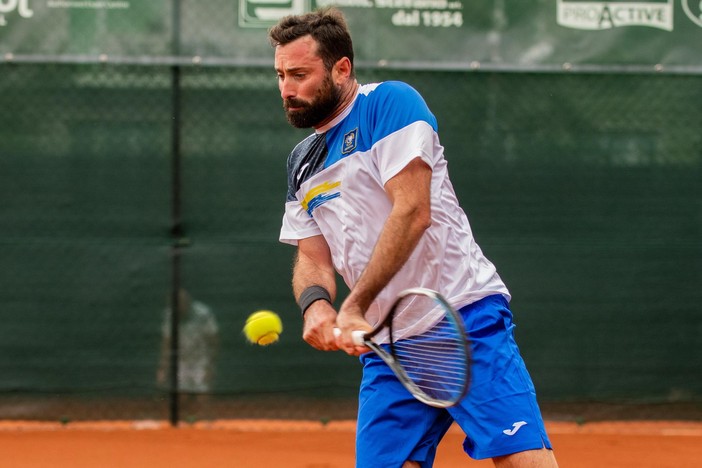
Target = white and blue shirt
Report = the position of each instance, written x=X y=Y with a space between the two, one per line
x=336 y=179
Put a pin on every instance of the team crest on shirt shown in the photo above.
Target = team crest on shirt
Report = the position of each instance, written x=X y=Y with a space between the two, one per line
x=349 y=143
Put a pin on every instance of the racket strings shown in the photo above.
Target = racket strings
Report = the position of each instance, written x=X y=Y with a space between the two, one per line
x=435 y=361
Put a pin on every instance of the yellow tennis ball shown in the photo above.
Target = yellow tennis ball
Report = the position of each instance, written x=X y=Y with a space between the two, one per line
x=263 y=327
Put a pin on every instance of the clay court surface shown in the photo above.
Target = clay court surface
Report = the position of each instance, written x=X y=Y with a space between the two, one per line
x=270 y=443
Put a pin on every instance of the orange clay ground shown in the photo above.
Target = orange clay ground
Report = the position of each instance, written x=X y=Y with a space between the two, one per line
x=266 y=443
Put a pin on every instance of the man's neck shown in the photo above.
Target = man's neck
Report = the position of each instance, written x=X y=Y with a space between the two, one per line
x=348 y=94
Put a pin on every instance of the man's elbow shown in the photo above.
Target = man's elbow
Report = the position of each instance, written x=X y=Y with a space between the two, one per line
x=421 y=219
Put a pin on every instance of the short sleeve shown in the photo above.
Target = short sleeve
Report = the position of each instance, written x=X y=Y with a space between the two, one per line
x=297 y=224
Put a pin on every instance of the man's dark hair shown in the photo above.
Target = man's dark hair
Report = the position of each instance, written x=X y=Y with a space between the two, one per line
x=328 y=28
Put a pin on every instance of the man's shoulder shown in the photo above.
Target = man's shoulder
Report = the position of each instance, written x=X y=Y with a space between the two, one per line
x=390 y=94
x=386 y=88
x=305 y=160
x=307 y=142
x=313 y=144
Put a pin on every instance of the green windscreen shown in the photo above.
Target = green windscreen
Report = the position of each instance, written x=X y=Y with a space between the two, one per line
x=143 y=156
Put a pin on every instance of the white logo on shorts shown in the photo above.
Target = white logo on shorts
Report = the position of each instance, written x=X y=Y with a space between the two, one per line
x=515 y=427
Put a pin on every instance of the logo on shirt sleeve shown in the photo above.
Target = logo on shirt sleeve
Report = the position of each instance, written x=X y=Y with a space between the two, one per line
x=319 y=195
x=350 y=141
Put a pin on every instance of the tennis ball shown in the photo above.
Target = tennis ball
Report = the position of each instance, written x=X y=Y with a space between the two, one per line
x=263 y=327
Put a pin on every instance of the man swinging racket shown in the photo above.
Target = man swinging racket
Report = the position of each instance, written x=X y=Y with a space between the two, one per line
x=369 y=198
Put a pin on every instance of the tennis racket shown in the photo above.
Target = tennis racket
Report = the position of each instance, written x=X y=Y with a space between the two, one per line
x=435 y=365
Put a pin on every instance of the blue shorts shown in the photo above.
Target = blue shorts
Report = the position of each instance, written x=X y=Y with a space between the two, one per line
x=499 y=415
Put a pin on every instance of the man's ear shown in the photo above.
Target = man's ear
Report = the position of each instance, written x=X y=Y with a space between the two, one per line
x=341 y=71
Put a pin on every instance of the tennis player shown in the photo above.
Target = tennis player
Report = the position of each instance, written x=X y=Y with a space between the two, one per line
x=369 y=197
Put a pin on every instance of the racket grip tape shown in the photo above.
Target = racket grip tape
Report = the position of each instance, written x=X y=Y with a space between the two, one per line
x=357 y=336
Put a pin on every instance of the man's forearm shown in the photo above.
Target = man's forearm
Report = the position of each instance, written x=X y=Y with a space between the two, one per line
x=398 y=239
x=313 y=267
x=307 y=272
x=410 y=194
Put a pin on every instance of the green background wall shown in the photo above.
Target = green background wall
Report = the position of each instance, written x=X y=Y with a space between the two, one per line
x=582 y=183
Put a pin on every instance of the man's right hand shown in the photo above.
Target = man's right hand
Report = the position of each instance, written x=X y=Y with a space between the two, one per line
x=318 y=326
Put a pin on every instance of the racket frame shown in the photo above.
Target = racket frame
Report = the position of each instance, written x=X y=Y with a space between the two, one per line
x=366 y=339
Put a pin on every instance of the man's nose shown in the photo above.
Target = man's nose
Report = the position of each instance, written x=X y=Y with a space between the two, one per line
x=287 y=88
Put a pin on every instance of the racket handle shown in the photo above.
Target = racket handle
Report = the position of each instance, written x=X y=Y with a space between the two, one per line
x=356 y=335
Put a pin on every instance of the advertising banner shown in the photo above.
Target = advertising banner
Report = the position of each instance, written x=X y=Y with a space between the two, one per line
x=435 y=33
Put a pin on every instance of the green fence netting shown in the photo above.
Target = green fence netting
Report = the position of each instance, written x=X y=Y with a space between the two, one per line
x=584 y=189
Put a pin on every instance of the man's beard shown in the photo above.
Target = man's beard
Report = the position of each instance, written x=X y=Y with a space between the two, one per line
x=314 y=112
